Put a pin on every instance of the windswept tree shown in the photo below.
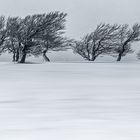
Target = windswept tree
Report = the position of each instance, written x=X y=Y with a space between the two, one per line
x=3 y=33
x=36 y=28
x=51 y=43
x=126 y=38
x=52 y=39
x=14 y=37
x=98 y=42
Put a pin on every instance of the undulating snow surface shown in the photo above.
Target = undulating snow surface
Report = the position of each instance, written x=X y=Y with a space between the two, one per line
x=74 y=101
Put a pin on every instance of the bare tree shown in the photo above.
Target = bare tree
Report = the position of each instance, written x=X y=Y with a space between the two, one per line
x=13 y=41
x=98 y=42
x=35 y=34
x=37 y=26
x=83 y=47
x=51 y=43
x=2 y=33
x=126 y=38
x=52 y=40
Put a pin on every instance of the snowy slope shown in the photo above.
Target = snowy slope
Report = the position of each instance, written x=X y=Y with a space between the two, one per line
x=75 y=101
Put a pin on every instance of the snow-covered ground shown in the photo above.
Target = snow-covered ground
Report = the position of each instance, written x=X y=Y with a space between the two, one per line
x=70 y=101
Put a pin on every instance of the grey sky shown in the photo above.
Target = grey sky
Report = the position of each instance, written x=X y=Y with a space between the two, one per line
x=83 y=15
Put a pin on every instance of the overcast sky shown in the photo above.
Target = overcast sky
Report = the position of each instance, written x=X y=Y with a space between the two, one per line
x=83 y=15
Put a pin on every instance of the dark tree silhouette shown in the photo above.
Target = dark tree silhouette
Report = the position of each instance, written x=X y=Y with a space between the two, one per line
x=36 y=27
x=98 y=42
x=13 y=42
x=3 y=33
x=126 y=38
x=50 y=43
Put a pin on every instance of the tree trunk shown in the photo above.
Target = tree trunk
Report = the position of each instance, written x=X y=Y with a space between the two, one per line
x=23 y=58
x=44 y=53
x=18 y=52
x=119 y=57
x=93 y=54
x=93 y=58
x=17 y=55
x=45 y=56
x=24 y=54
x=14 y=56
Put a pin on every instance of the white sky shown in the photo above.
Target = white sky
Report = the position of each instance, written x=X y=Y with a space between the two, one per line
x=83 y=15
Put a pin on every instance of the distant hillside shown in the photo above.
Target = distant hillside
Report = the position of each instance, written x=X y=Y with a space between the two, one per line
x=69 y=56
